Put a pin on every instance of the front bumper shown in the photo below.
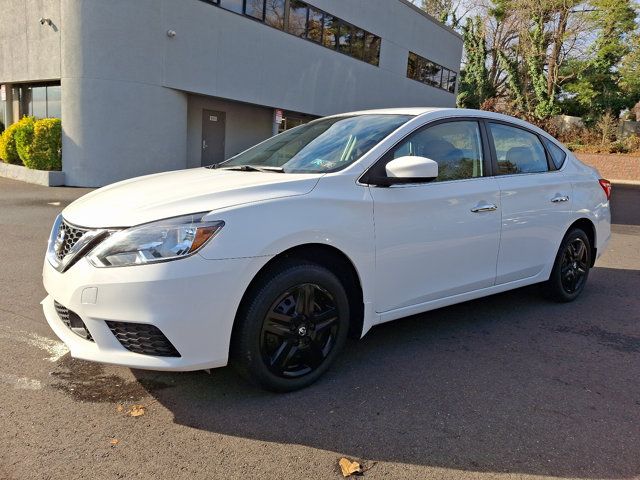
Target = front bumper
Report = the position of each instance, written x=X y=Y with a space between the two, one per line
x=192 y=301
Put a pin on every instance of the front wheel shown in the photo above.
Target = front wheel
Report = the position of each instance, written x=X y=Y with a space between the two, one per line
x=294 y=322
x=571 y=267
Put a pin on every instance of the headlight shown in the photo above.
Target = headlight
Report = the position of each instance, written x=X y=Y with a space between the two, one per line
x=160 y=241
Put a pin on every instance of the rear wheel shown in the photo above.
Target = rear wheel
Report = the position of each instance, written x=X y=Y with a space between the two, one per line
x=571 y=267
x=294 y=322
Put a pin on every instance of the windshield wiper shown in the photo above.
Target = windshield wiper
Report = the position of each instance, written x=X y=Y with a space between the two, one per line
x=254 y=168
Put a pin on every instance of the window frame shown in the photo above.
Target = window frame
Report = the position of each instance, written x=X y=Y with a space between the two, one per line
x=550 y=165
x=362 y=54
x=545 y=142
x=372 y=177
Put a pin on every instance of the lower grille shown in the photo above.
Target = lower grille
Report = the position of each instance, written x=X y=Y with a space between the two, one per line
x=143 y=338
x=73 y=321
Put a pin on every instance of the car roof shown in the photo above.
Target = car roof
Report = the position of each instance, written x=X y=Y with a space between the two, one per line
x=415 y=111
x=439 y=112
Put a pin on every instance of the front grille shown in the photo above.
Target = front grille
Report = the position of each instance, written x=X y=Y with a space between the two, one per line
x=73 y=321
x=69 y=236
x=143 y=338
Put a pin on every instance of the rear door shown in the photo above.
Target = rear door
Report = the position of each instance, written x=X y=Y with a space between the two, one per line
x=535 y=199
x=437 y=239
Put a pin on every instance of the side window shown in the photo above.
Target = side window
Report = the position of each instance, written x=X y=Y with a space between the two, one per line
x=557 y=154
x=518 y=151
x=455 y=146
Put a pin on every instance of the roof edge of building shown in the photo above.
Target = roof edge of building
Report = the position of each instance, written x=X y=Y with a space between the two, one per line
x=430 y=18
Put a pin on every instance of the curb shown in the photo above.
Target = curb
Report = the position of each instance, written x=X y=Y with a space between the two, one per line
x=38 y=177
x=625 y=182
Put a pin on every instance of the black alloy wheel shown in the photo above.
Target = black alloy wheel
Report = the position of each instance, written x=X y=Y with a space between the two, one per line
x=292 y=324
x=571 y=268
x=299 y=331
x=574 y=266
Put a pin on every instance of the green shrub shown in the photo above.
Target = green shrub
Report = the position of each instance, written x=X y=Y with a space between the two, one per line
x=8 y=150
x=39 y=144
x=24 y=138
x=46 y=152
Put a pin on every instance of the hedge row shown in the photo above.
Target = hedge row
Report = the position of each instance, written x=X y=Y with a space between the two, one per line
x=36 y=144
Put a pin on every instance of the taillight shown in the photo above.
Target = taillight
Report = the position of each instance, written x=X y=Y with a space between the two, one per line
x=606 y=186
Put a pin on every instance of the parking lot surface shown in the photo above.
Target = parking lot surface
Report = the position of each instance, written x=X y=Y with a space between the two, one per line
x=509 y=386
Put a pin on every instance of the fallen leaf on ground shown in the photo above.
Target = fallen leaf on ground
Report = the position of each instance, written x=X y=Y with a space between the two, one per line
x=136 y=410
x=120 y=407
x=114 y=441
x=348 y=467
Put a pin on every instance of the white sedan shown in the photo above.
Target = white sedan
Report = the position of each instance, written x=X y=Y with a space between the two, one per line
x=270 y=259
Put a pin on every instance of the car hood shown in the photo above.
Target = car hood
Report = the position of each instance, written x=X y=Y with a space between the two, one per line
x=163 y=195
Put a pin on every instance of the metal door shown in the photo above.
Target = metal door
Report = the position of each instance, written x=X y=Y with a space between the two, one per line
x=213 y=134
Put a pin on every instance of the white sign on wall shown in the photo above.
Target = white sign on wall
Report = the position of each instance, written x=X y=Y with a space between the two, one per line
x=3 y=93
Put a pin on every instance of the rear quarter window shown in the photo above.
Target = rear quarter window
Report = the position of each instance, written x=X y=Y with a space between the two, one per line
x=557 y=154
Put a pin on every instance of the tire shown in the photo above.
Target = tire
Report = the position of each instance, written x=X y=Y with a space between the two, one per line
x=291 y=326
x=571 y=267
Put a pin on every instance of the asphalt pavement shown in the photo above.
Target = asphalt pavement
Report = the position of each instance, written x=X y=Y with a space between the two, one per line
x=509 y=386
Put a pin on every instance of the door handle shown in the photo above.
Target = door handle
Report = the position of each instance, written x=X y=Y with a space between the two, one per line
x=485 y=207
x=560 y=198
x=204 y=144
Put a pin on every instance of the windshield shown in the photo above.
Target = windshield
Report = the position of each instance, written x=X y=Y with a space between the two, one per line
x=321 y=146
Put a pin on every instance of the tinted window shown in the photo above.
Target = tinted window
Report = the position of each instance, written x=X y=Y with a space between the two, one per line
x=357 y=44
x=431 y=73
x=274 y=13
x=307 y=21
x=330 y=32
x=233 y=5
x=255 y=9
x=557 y=154
x=297 y=18
x=324 y=145
x=345 y=38
x=518 y=151
x=455 y=146
x=371 y=49
x=314 y=25
x=451 y=83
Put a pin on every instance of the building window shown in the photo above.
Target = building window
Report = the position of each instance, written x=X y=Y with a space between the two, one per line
x=305 y=21
x=274 y=13
x=315 y=24
x=431 y=73
x=255 y=9
x=297 y=19
x=232 y=5
x=40 y=101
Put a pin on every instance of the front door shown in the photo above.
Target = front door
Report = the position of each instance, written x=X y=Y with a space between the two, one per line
x=437 y=239
x=213 y=134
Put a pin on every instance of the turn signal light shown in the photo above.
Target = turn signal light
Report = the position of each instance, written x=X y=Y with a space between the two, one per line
x=606 y=186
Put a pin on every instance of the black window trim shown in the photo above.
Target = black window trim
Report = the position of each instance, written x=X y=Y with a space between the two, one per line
x=370 y=178
x=545 y=142
x=551 y=167
x=443 y=85
x=375 y=60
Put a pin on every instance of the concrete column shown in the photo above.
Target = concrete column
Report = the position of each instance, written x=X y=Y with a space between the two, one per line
x=8 y=106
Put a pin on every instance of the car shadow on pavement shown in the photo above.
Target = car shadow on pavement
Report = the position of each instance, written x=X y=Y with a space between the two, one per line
x=509 y=383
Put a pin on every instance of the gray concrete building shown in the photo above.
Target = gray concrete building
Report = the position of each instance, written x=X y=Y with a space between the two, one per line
x=151 y=85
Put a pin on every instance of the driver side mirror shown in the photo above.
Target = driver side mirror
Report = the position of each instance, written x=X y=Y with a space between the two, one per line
x=411 y=169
